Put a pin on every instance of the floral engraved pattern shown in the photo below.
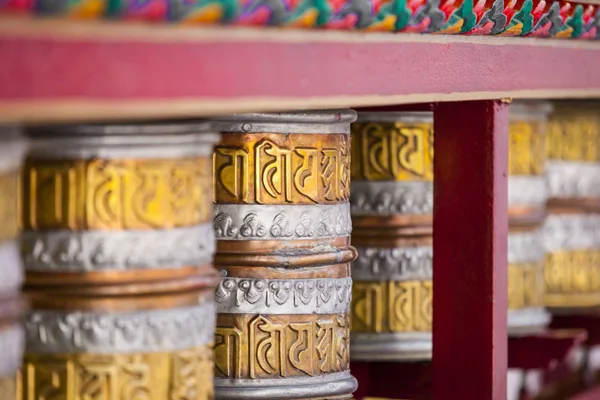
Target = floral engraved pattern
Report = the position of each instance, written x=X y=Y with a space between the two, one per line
x=390 y=198
x=298 y=296
x=377 y=264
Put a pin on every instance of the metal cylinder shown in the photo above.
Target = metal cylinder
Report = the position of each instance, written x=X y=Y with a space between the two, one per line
x=392 y=205
x=572 y=230
x=118 y=248
x=12 y=149
x=282 y=221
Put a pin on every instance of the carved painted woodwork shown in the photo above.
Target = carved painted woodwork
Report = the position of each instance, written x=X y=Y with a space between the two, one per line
x=392 y=204
x=118 y=246
x=282 y=222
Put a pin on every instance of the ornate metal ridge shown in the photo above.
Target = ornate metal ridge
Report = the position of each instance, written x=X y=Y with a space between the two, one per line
x=400 y=264
x=571 y=179
x=283 y=296
x=65 y=251
x=277 y=222
x=524 y=247
x=390 y=198
x=527 y=190
x=119 y=332
x=571 y=232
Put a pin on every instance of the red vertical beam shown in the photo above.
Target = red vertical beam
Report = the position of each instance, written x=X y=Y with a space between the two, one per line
x=470 y=231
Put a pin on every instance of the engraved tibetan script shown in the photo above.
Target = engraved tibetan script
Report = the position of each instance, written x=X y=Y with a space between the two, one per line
x=116 y=194
x=527 y=150
x=282 y=169
x=281 y=345
x=397 y=151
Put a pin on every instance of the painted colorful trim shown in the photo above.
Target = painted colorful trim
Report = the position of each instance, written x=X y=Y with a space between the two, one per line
x=535 y=18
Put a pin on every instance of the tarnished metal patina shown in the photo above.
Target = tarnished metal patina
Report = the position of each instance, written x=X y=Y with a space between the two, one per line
x=118 y=249
x=12 y=150
x=572 y=230
x=282 y=222
x=392 y=204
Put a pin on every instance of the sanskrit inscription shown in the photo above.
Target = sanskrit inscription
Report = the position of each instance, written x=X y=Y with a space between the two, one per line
x=392 y=151
x=116 y=194
x=525 y=285
x=282 y=169
x=575 y=272
x=574 y=137
x=527 y=148
x=184 y=375
x=260 y=346
x=8 y=206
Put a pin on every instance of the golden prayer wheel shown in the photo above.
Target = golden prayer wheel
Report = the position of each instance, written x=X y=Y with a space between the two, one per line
x=118 y=247
x=282 y=222
x=12 y=149
x=572 y=230
x=392 y=205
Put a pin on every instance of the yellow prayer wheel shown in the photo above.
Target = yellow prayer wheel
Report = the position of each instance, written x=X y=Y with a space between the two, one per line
x=282 y=222
x=118 y=247
x=572 y=230
x=12 y=149
x=392 y=205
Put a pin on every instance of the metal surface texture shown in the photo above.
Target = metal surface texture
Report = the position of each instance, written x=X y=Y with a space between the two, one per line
x=572 y=229
x=392 y=203
x=118 y=250
x=282 y=222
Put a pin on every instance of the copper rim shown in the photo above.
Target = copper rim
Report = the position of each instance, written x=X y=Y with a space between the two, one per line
x=286 y=260
x=327 y=271
x=391 y=221
x=392 y=242
x=574 y=206
x=273 y=246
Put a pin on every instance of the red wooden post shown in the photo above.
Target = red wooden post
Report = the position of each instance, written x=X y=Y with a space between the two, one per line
x=469 y=246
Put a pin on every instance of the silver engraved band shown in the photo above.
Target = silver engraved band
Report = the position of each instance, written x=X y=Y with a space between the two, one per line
x=571 y=232
x=573 y=179
x=11 y=348
x=11 y=270
x=119 y=332
x=526 y=190
x=391 y=346
x=117 y=141
x=281 y=222
x=391 y=198
x=400 y=264
x=526 y=247
x=86 y=251
x=311 y=122
x=326 y=385
x=407 y=117
x=527 y=320
x=283 y=296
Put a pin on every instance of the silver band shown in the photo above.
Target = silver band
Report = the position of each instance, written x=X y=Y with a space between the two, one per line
x=407 y=117
x=12 y=150
x=527 y=190
x=66 y=251
x=11 y=348
x=526 y=247
x=281 y=222
x=11 y=270
x=571 y=179
x=176 y=140
x=391 y=198
x=317 y=121
x=527 y=320
x=401 y=264
x=571 y=232
x=396 y=346
x=334 y=384
x=528 y=110
x=120 y=332
x=283 y=296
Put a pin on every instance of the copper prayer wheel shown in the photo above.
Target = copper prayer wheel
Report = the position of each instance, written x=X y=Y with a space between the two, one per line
x=12 y=149
x=392 y=205
x=118 y=247
x=282 y=222
x=572 y=230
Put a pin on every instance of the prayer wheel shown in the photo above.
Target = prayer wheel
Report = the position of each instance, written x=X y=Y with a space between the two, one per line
x=118 y=247
x=572 y=230
x=12 y=149
x=282 y=222
x=392 y=204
